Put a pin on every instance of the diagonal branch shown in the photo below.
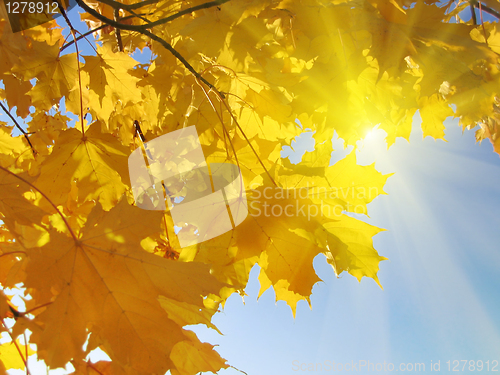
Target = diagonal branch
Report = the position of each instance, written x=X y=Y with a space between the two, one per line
x=186 y=11
x=19 y=127
x=118 y=5
x=81 y=37
x=489 y=10
x=143 y=29
x=69 y=44
x=149 y=25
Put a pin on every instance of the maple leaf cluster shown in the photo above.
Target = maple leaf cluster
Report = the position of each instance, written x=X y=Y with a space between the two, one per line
x=96 y=271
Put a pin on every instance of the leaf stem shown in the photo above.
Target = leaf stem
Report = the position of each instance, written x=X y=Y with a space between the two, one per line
x=244 y=135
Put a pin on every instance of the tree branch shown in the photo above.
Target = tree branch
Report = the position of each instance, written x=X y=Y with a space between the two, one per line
x=81 y=37
x=19 y=127
x=118 y=34
x=65 y=16
x=69 y=44
x=186 y=11
x=473 y=13
x=143 y=29
x=489 y=10
x=118 y=5
x=149 y=25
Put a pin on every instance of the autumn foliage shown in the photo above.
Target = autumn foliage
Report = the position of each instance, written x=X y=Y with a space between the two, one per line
x=94 y=268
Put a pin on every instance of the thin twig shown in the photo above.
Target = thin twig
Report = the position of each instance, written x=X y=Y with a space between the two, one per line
x=37 y=307
x=221 y=98
x=91 y=365
x=95 y=30
x=226 y=132
x=48 y=199
x=26 y=351
x=19 y=127
x=81 y=37
x=237 y=369
x=25 y=360
x=73 y=33
x=482 y=24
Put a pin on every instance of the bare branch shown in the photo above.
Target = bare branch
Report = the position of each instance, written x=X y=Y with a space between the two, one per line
x=143 y=29
x=118 y=5
x=69 y=44
x=163 y=20
x=81 y=37
x=187 y=11
x=489 y=10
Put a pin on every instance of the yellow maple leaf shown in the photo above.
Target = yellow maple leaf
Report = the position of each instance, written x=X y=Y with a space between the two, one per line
x=14 y=205
x=10 y=357
x=262 y=65
x=16 y=94
x=192 y=357
x=96 y=161
x=110 y=81
x=57 y=75
x=342 y=186
x=350 y=248
x=434 y=111
x=12 y=149
x=104 y=281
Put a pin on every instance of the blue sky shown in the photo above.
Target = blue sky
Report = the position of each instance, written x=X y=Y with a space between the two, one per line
x=441 y=285
x=441 y=292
